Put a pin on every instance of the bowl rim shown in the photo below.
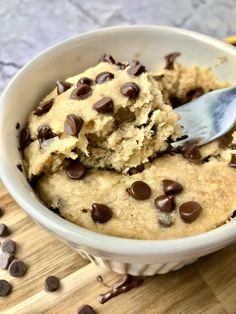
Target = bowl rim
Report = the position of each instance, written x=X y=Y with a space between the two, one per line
x=92 y=239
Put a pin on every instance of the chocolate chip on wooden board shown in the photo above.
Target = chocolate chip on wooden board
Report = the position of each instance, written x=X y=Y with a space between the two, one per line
x=75 y=170
x=4 y=231
x=51 y=284
x=8 y=246
x=86 y=309
x=104 y=77
x=5 y=259
x=44 y=107
x=170 y=59
x=73 y=124
x=190 y=211
x=130 y=90
x=171 y=187
x=81 y=92
x=165 y=203
x=139 y=190
x=17 y=268
x=62 y=87
x=104 y=105
x=100 y=213
x=5 y=288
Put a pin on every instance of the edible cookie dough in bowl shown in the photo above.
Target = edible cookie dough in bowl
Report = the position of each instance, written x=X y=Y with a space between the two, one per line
x=97 y=119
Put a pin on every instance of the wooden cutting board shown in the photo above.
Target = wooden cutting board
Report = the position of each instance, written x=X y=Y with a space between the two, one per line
x=207 y=286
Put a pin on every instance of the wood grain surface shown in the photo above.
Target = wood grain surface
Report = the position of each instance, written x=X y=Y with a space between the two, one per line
x=207 y=286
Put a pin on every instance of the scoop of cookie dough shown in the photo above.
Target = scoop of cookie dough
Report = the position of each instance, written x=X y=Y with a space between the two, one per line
x=111 y=116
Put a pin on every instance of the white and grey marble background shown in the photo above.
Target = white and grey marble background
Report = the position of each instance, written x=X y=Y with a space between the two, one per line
x=29 y=26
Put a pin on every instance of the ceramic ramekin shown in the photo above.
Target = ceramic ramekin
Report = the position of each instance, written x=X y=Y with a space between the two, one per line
x=149 y=44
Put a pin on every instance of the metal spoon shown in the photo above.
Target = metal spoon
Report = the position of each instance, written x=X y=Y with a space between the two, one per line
x=208 y=117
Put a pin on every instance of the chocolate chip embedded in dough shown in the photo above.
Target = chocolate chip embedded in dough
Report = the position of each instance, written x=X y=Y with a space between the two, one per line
x=73 y=124
x=44 y=133
x=170 y=59
x=101 y=213
x=81 y=92
x=232 y=162
x=62 y=87
x=104 y=77
x=44 y=107
x=195 y=93
x=191 y=152
x=171 y=187
x=190 y=211
x=165 y=203
x=104 y=105
x=25 y=138
x=130 y=90
x=85 y=80
x=139 y=190
x=136 y=69
x=75 y=170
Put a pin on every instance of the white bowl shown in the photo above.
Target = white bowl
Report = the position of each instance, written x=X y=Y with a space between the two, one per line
x=149 y=44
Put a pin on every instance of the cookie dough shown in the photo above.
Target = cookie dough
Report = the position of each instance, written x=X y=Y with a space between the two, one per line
x=106 y=164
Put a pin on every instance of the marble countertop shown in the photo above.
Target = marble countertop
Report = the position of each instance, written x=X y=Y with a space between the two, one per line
x=30 y=26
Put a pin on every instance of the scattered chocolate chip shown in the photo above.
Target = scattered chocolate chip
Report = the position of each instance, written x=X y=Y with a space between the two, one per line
x=171 y=187
x=232 y=162
x=100 y=213
x=158 y=77
x=17 y=268
x=4 y=231
x=85 y=81
x=51 y=284
x=170 y=59
x=5 y=260
x=62 y=87
x=175 y=102
x=125 y=284
x=106 y=58
x=81 y=92
x=104 y=77
x=136 y=69
x=85 y=309
x=73 y=124
x=19 y=167
x=130 y=90
x=139 y=190
x=17 y=125
x=1 y=212
x=165 y=203
x=194 y=93
x=104 y=105
x=5 y=288
x=44 y=133
x=191 y=152
x=25 y=138
x=75 y=170
x=124 y=115
x=44 y=107
x=190 y=211
x=9 y=246
x=166 y=223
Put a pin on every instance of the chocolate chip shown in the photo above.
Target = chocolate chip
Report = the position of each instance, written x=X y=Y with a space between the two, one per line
x=190 y=211
x=73 y=124
x=81 y=92
x=75 y=170
x=9 y=246
x=139 y=190
x=84 y=210
x=34 y=180
x=25 y=138
x=171 y=187
x=17 y=125
x=166 y=223
x=232 y=162
x=5 y=288
x=175 y=102
x=191 y=152
x=232 y=146
x=17 y=268
x=104 y=77
x=44 y=133
x=170 y=59
x=165 y=203
x=19 y=167
x=195 y=93
x=51 y=284
x=130 y=90
x=107 y=58
x=121 y=65
x=5 y=260
x=1 y=212
x=62 y=87
x=44 y=107
x=158 y=77
x=124 y=115
x=85 y=81
x=100 y=213
x=85 y=309
x=136 y=69
x=4 y=231
x=104 y=105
